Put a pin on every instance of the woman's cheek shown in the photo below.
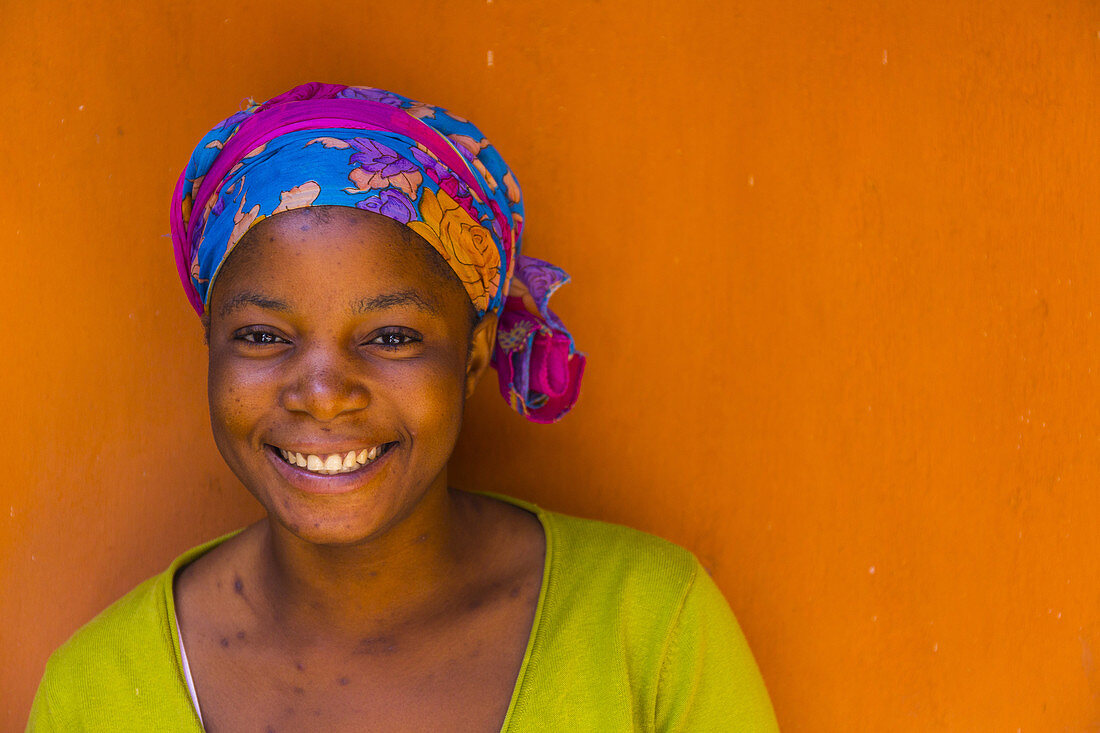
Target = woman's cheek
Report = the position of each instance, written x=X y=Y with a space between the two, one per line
x=234 y=393
x=429 y=393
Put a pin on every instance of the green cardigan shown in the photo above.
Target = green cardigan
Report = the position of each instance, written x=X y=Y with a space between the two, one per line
x=630 y=633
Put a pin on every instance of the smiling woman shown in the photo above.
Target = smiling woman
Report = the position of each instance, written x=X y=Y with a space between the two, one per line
x=375 y=364
x=355 y=258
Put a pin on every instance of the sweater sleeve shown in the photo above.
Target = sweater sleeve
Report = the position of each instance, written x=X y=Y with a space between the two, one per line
x=709 y=680
x=43 y=717
x=40 y=719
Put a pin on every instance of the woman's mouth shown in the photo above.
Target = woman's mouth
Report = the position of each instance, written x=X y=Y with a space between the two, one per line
x=333 y=463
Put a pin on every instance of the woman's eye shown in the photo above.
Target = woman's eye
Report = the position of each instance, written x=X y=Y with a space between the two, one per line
x=261 y=337
x=394 y=339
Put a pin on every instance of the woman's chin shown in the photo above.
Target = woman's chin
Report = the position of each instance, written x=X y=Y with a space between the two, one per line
x=328 y=532
x=345 y=524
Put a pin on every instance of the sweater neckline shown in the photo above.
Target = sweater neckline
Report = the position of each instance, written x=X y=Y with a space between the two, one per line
x=518 y=690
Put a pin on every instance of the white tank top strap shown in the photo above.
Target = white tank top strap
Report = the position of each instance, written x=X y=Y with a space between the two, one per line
x=187 y=677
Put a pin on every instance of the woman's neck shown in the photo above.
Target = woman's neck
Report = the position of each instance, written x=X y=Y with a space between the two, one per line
x=401 y=577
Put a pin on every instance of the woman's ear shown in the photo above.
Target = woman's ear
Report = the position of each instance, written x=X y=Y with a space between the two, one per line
x=482 y=340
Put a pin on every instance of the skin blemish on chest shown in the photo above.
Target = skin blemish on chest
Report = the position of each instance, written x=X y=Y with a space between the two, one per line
x=514 y=593
x=299 y=666
x=224 y=642
x=343 y=681
x=241 y=635
x=376 y=645
x=238 y=585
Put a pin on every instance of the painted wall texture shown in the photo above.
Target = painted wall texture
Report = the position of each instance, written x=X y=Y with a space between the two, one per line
x=835 y=268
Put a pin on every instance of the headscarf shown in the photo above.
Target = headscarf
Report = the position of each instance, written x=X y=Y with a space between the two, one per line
x=433 y=171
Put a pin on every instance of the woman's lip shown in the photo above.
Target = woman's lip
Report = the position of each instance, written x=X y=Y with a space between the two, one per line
x=336 y=483
x=342 y=448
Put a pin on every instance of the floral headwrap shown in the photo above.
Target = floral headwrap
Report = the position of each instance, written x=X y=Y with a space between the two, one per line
x=335 y=145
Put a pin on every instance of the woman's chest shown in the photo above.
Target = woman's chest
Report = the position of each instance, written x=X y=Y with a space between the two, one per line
x=457 y=676
x=451 y=695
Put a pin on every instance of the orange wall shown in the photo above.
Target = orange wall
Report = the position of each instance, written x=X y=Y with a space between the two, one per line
x=835 y=267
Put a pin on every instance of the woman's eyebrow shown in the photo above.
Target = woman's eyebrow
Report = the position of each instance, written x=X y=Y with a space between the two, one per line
x=252 y=298
x=389 y=300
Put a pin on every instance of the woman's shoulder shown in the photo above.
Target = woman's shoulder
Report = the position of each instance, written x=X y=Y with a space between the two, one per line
x=586 y=546
x=595 y=548
x=123 y=657
x=636 y=635
x=132 y=622
x=108 y=664
x=611 y=569
x=630 y=582
x=141 y=618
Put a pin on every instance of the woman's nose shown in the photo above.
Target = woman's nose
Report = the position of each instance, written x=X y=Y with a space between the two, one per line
x=325 y=387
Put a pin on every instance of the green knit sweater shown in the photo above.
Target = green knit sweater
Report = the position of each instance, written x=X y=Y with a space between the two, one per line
x=630 y=634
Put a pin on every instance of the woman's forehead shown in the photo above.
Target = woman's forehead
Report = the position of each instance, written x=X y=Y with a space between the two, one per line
x=334 y=254
x=287 y=224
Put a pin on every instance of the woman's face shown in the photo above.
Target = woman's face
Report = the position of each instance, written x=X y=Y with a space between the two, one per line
x=341 y=341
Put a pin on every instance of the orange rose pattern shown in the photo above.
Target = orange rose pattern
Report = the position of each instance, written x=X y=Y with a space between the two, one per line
x=467 y=246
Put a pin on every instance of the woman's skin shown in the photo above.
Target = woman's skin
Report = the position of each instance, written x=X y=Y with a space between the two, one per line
x=376 y=599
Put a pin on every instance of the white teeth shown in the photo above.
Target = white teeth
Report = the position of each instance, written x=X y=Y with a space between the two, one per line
x=333 y=463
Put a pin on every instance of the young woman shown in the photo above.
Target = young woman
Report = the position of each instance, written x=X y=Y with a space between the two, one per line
x=354 y=256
